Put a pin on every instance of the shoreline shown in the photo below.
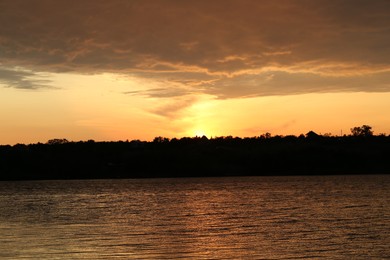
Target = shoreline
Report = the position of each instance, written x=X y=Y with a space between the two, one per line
x=197 y=157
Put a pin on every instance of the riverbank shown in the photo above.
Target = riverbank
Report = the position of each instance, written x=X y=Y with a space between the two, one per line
x=197 y=157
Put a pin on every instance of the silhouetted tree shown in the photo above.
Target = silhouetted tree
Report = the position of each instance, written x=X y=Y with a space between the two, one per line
x=266 y=136
x=199 y=156
x=160 y=139
x=362 y=131
x=57 y=141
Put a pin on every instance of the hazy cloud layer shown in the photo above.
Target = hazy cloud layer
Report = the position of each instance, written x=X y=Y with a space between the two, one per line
x=221 y=47
x=22 y=79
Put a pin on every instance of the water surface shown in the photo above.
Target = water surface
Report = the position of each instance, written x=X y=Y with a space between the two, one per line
x=201 y=218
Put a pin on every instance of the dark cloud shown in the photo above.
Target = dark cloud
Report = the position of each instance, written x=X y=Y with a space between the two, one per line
x=221 y=47
x=284 y=83
x=22 y=79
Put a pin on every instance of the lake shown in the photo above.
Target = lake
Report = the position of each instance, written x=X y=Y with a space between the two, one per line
x=328 y=217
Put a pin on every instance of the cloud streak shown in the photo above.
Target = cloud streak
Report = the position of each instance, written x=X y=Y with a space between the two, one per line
x=225 y=48
x=22 y=79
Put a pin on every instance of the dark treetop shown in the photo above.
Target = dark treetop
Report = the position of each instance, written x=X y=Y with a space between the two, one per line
x=197 y=157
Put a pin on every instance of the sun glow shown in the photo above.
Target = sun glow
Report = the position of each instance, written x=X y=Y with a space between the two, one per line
x=199 y=133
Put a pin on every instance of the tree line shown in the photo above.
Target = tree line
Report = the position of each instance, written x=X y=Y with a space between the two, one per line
x=361 y=152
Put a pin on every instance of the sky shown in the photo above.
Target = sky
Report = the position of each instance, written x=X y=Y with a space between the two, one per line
x=125 y=70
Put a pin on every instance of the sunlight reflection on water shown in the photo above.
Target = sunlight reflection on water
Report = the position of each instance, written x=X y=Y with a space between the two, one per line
x=204 y=218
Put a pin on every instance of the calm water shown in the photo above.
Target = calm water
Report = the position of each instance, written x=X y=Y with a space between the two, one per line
x=210 y=218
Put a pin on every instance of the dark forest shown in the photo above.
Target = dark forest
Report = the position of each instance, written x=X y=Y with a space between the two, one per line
x=361 y=152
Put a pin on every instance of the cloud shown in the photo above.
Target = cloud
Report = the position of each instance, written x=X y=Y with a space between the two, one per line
x=286 y=83
x=224 y=47
x=22 y=79
x=160 y=92
x=174 y=107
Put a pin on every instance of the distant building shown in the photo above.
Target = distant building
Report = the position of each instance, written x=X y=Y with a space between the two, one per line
x=312 y=135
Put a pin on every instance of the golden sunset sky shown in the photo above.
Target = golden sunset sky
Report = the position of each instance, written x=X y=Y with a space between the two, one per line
x=117 y=70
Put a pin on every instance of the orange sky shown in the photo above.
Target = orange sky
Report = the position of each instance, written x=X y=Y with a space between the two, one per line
x=117 y=70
